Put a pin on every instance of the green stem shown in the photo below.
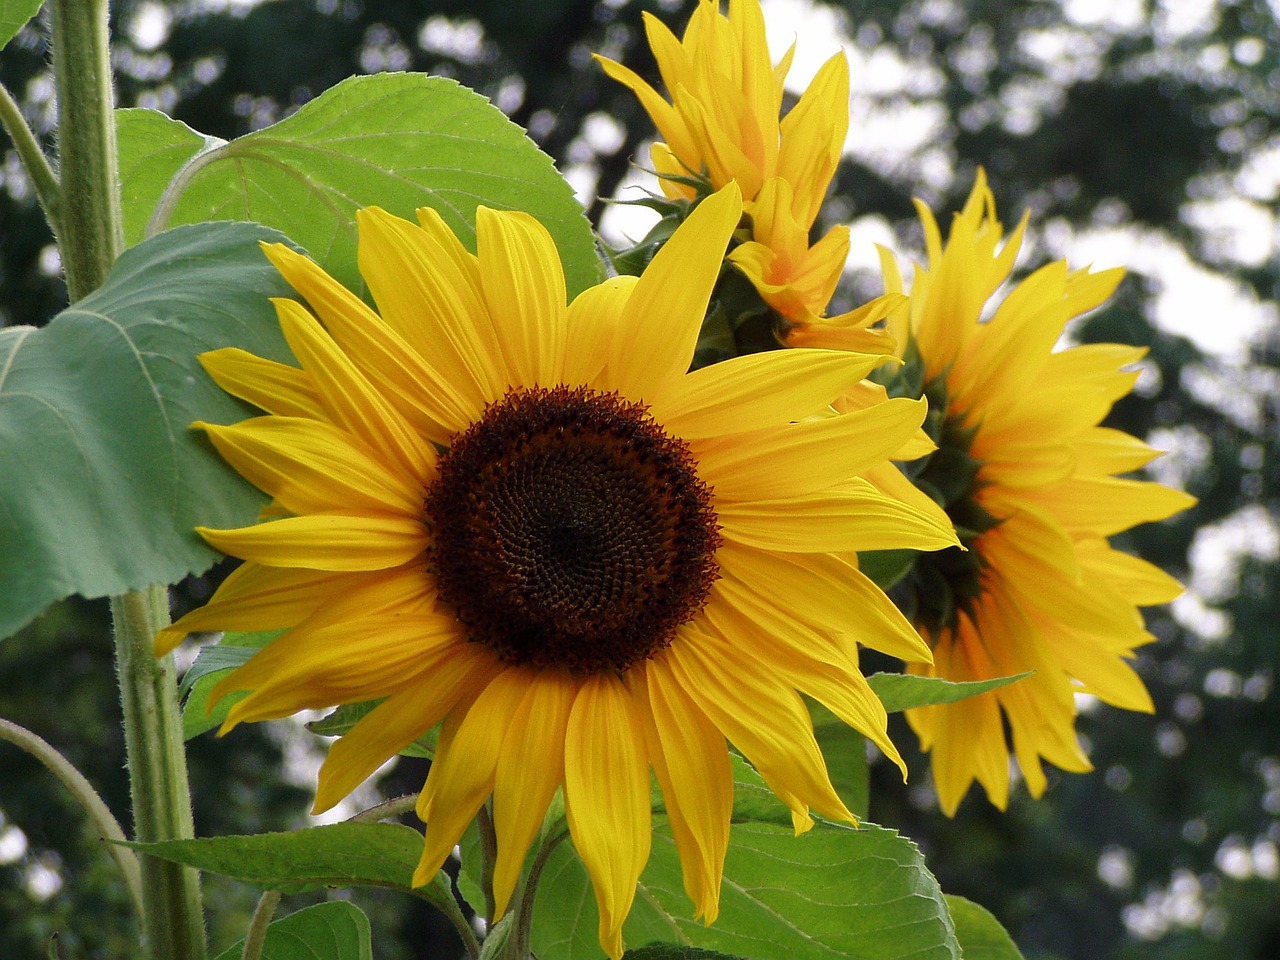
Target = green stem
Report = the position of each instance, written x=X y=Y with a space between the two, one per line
x=99 y=814
x=33 y=159
x=174 y=922
x=91 y=236
x=387 y=809
x=89 y=240
x=257 y=935
x=521 y=938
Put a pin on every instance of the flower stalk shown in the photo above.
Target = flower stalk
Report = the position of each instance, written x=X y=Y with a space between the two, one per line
x=90 y=237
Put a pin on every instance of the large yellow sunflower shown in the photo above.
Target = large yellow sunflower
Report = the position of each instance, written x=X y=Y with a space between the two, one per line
x=1030 y=480
x=723 y=124
x=530 y=523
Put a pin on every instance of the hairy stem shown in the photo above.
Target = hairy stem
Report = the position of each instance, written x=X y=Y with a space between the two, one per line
x=33 y=159
x=174 y=922
x=257 y=934
x=89 y=239
x=108 y=829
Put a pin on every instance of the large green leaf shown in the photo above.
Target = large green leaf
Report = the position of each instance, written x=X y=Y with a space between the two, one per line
x=397 y=140
x=337 y=930
x=13 y=16
x=834 y=892
x=979 y=933
x=101 y=478
x=337 y=855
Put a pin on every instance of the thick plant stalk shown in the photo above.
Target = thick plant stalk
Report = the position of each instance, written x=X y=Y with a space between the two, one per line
x=89 y=239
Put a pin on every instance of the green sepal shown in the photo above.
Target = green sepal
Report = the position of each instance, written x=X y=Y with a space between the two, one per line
x=904 y=691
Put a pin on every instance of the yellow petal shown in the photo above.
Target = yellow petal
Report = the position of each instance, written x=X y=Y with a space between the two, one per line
x=804 y=458
x=764 y=718
x=462 y=773
x=530 y=770
x=349 y=399
x=691 y=760
x=664 y=314
x=255 y=597
x=437 y=405
x=428 y=290
x=447 y=674
x=606 y=791
x=325 y=541
x=275 y=387
x=523 y=285
x=759 y=390
x=310 y=466
x=592 y=320
x=852 y=517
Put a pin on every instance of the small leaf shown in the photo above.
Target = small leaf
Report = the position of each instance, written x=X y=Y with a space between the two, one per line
x=671 y=951
x=212 y=663
x=835 y=892
x=902 y=691
x=397 y=140
x=979 y=933
x=337 y=855
x=343 y=718
x=101 y=478
x=337 y=930
x=14 y=15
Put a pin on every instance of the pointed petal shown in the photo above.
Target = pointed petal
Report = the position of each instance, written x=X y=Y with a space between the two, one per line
x=275 y=387
x=325 y=541
x=759 y=390
x=852 y=517
x=804 y=458
x=437 y=405
x=664 y=314
x=593 y=321
x=530 y=770
x=606 y=791
x=462 y=774
x=763 y=717
x=691 y=760
x=523 y=286
x=444 y=676
x=310 y=466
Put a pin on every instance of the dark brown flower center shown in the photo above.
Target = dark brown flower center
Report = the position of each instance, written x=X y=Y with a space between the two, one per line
x=569 y=530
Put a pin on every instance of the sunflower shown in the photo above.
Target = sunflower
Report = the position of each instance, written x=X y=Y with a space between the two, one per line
x=723 y=124
x=1030 y=480
x=528 y=523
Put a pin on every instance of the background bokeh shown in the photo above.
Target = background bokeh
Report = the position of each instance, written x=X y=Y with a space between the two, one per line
x=1137 y=132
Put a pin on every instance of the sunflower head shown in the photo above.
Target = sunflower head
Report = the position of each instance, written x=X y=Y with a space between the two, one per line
x=528 y=523
x=724 y=122
x=1028 y=476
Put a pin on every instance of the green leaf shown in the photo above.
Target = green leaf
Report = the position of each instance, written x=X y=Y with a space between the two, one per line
x=14 y=15
x=979 y=933
x=845 y=751
x=835 y=892
x=152 y=148
x=337 y=930
x=902 y=691
x=397 y=140
x=214 y=662
x=342 y=719
x=886 y=567
x=337 y=855
x=101 y=479
x=671 y=951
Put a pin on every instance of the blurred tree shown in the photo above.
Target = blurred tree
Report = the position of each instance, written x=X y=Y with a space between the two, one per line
x=1152 y=121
